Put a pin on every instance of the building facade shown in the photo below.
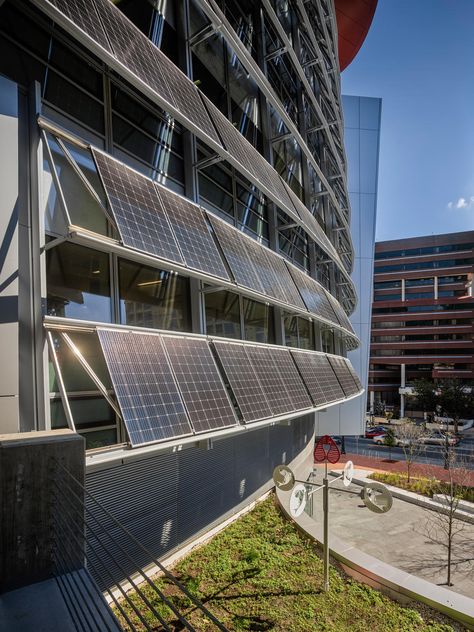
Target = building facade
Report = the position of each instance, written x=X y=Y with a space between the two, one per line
x=176 y=251
x=422 y=315
x=362 y=119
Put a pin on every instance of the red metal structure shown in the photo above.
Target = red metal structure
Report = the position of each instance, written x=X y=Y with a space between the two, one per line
x=354 y=18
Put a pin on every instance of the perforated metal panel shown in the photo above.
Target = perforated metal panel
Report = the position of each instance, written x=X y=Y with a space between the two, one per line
x=192 y=233
x=319 y=377
x=137 y=209
x=151 y=405
x=200 y=384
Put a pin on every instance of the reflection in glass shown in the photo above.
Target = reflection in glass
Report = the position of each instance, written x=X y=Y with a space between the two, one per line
x=291 y=330
x=258 y=321
x=223 y=314
x=305 y=333
x=153 y=298
x=78 y=283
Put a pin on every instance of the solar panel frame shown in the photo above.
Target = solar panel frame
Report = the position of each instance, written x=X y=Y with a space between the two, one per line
x=192 y=234
x=243 y=381
x=343 y=374
x=319 y=377
x=291 y=378
x=83 y=14
x=237 y=254
x=144 y=385
x=270 y=380
x=138 y=212
x=200 y=383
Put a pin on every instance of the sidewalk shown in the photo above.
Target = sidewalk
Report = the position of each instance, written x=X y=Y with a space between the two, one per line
x=417 y=469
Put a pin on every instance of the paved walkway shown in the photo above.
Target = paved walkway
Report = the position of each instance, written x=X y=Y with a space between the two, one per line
x=399 y=537
x=417 y=469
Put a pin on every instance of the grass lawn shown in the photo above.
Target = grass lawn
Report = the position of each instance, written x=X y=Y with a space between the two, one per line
x=260 y=573
x=425 y=486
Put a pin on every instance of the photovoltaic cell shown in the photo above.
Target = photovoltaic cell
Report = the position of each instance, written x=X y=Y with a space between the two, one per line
x=288 y=287
x=341 y=315
x=313 y=294
x=145 y=388
x=137 y=209
x=265 y=270
x=270 y=380
x=200 y=384
x=192 y=233
x=135 y=51
x=83 y=14
x=248 y=393
x=355 y=377
x=319 y=377
x=291 y=378
x=235 y=250
x=343 y=375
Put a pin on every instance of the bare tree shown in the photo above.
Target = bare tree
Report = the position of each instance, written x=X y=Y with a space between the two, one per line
x=408 y=437
x=444 y=527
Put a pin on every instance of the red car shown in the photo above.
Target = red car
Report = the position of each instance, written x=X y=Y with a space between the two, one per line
x=374 y=432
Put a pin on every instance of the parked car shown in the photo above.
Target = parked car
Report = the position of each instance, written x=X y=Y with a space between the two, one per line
x=399 y=442
x=439 y=438
x=370 y=433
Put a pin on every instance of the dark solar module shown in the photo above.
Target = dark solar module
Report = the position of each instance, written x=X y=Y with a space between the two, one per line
x=270 y=379
x=237 y=253
x=248 y=393
x=341 y=315
x=83 y=14
x=313 y=294
x=355 y=377
x=319 y=377
x=291 y=378
x=135 y=51
x=145 y=388
x=192 y=233
x=287 y=285
x=344 y=375
x=200 y=383
x=266 y=272
x=138 y=211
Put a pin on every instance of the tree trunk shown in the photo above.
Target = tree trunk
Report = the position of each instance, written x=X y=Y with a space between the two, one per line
x=456 y=424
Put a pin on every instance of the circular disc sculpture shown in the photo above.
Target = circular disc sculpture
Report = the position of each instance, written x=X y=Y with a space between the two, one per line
x=348 y=473
x=298 y=499
x=283 y=478
x=376 y=497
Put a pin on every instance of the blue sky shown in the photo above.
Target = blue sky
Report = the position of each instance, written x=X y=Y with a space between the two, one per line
x=419 y=58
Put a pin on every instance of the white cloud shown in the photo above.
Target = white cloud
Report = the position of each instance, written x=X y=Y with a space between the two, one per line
x=462 y=203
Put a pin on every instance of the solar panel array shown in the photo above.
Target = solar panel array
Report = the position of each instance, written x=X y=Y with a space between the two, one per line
x=291 y=379
x=288 y=286
x=355 y=377
x=313 y=294
x=319 y=377
x=344 y=376
x=145 y=388
x=137 y=209
x=340 y=313
x=237 y=253
x=135 y=51
x=243 y=381
x=191 y=230
x=273 y=386
x=200 y=383
x=83 y=14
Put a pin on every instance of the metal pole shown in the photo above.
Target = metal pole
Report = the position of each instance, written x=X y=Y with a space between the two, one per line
x=326 y=530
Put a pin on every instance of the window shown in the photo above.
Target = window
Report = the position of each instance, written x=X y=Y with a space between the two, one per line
x=299 y=332
x=258 y=321
x=153 y=298
x=223 y=314
x=327 y=339
x=78 y=283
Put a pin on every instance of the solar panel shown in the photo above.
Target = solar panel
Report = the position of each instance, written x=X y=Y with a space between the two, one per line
x=133 y=49
x=192 y=232
x=291 y=378
x=270 y=380
x=137 y=208
x=248 y=393
x=341 y=315
x=235 y=250
x=319 y=377
x=355 y=377
x=145 y=388
x=343 y=375
x=265 y=270
x=287 y=285
x=200 y=383
x=82 y=14
x=313 y=294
